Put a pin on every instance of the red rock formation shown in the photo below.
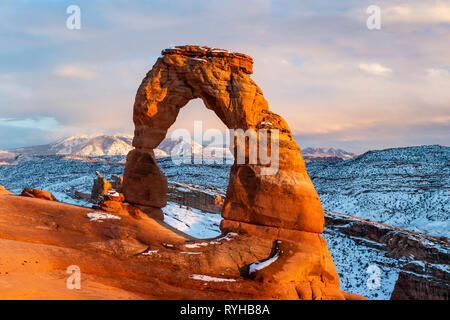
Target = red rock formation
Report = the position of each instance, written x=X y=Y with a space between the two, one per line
x=411 y=286
x=114 y=196
x=143 y=181
x=100 y=188
x=283 y=206
x=3 y=190
x=117 y=182
x=422 y=259
x=128 y=255
x=192 y=197
x=422 y=280
x=221 y=79
x=38 y=194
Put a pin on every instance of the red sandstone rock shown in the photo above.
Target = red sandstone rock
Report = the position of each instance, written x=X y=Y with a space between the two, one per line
x=135 y=257
x=283 y=206
x=218 y=201
x=144 y=183
x=100 y=188
x=114 y=196
x=221 y=79
x=192 y=197
x=117 y=182
x=113 y=206
x=3 y=190
x=38 y=194
x=411 y=286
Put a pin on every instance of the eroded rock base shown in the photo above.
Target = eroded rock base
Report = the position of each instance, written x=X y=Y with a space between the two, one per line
x=123 y=255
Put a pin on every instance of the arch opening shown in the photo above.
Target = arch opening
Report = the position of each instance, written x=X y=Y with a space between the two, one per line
x=195 y=111
x=196 y=191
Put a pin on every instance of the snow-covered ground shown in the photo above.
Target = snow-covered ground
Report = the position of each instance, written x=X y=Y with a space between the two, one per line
x=100 y=216
x=406 y=187
x=258 y=265
x=356 y=264
x=194 y=222
x=60 y=177
x=205 y=278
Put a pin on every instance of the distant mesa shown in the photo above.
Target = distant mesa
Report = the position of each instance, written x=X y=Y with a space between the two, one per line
x=325 y=154
x=7 y=157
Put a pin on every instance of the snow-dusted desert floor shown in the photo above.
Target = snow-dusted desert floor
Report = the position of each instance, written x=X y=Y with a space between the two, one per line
x=406 y=187
x=192 y=221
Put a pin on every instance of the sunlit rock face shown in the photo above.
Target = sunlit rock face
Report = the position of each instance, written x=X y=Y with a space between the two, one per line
x=222 y=80
x=3 y=190
x=281 y=208
x=38 y=194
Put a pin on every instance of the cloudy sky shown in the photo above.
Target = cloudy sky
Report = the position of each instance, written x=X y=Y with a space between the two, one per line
x=335 y=81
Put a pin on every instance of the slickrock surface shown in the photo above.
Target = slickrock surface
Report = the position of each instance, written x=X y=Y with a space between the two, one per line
x=121 y=256
x=270 y=248
x=283 y=206
x=3 y=190
x=38 y=194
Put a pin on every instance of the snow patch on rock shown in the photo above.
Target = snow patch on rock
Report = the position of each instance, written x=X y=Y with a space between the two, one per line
x=258 y=265
x=100 y=216
x=206 y=278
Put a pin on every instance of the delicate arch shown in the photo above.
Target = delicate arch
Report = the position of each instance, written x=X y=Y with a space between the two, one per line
x=221 y=79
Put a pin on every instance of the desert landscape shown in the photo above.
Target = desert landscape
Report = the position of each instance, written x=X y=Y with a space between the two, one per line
x=283 y=235
x=179 y=179
x=268 y=246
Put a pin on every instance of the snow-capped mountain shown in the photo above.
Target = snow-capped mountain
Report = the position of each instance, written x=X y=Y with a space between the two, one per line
x=179 y=146
x=83 y=145
x=115 y=145
x=325 y=154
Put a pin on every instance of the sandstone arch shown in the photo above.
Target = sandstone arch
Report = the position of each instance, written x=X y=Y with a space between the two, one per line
x=222 y=80
x=278 y=217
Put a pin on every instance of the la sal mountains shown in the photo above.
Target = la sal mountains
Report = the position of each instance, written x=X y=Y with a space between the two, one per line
x=117 y=145
x=99 y=145
x=82 y=145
